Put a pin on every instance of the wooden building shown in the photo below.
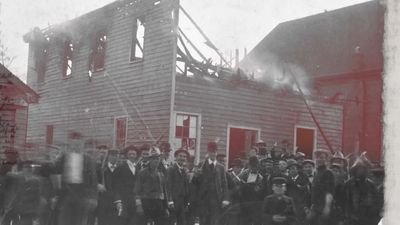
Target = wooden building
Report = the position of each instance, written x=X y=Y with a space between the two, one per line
x=111 y=74
x=341 y=54
x=16 y=97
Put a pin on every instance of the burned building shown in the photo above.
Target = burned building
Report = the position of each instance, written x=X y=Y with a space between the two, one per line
x=114 y=75
x=341 y=51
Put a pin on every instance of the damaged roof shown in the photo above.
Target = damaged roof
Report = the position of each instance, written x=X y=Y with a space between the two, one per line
x=325 y=43
x=12 y=85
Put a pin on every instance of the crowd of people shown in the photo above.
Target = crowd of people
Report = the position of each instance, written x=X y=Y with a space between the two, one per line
x=140 y=186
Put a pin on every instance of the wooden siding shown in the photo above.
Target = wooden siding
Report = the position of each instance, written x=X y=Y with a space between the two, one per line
x=90 y=105
x=221 y=103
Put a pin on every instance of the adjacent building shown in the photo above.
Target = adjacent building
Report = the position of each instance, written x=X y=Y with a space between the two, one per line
x=340 y=53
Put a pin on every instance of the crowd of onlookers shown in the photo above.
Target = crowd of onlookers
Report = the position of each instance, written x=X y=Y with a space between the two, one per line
x=142 y=185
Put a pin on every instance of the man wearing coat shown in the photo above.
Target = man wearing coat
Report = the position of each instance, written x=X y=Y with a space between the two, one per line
x=177 y=187
x=106 y=211
x=77 y=196
x=124 y=178
x=213 y=189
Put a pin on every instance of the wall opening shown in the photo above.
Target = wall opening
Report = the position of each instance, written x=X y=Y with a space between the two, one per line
x=305 y=140
x=240 y=142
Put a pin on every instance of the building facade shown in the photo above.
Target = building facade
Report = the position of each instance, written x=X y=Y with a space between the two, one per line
x=111 y=74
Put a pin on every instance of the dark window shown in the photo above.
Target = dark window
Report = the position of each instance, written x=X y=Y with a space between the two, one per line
x=98 y=52
x=305 y=140
x=137 y=41
x=49 y=134
x=67 y=60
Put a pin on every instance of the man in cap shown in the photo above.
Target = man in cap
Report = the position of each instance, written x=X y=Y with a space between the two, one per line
x=150 y=190
x=298 y=189
x=362 y=205
x=267 y=170
x=262 y=150
x=178 y=187
x=125 y=178
x=308 y=168
x=300 y=157
x=78 y=195
x=106 y=211
x=213 y=188
x=278 y=209
x=165 y=149
x=251 y=193
x=322 y=190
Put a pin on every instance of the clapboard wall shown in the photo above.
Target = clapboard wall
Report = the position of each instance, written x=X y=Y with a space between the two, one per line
x=221 y=103
x=90 y=105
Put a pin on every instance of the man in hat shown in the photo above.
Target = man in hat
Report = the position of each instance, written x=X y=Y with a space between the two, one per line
x=267 y=170
x=251 y=193
x=125 y=178
x=298 y=189
x=262 y=150
x=278 y=209
x=322 y=190
x=308 y=167
x=178 y=187
x=165 y=149
x=106 y=211
x=300 y=157
x=221 y=158
x=361 y=195
x=78 y=195
x=213 y=188
x=150 y=190
x=144 y=156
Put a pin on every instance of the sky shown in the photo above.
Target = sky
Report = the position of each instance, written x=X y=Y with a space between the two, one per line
x=229 y=24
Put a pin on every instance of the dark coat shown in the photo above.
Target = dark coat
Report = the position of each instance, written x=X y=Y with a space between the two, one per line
x=323 y=183
x=278 y=205
x=212 y=180
x=124 y=184
x=106 y=210
x=177 y=187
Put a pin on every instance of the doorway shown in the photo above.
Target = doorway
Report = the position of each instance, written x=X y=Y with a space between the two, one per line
x=240 y=142
x=305 y=140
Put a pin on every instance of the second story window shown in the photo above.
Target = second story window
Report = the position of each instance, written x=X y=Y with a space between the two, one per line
x=98 y=52
x=67 y=60
x=137 y=41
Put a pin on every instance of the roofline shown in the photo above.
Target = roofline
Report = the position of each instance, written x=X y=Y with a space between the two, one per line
x=360 y=74
x=21 y=86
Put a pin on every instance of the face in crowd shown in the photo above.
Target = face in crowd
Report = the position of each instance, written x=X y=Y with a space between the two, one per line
x=212 y=155
x=181 y=159
x=279 y=189
x=308 y=169
x=293 y=171
x=321 y=160
x=113 y=158
x=282 y=166
x=132 y=155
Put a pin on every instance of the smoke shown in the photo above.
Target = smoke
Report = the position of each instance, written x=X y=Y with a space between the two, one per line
x=277 y=74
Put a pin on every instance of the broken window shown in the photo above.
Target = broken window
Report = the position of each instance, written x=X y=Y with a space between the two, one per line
x=186 y=135
x=120 y=131
x=98 y=52
x=67 y=61
x=137 y=41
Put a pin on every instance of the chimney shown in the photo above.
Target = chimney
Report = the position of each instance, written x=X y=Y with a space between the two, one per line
x=236 y=58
